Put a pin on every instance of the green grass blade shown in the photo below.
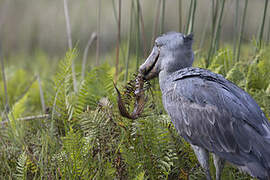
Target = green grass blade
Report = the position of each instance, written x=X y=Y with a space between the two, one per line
x=155 y=24
x=262 y=25
x=241 y=31
x=162 y=24
x=180 y=15
x=235 y=38
x=129 y=41
x=189 y=16
x=192 y=18
x=138 y=37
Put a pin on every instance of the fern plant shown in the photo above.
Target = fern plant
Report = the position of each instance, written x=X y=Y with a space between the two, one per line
x=21 y=167
x=62 y=104
x=95 y=89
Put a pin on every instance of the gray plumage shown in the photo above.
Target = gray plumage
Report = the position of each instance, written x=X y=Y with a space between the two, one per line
x=208 y=111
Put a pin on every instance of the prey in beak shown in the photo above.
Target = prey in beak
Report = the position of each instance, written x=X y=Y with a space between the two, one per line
x=139 y=99
x=149 y=68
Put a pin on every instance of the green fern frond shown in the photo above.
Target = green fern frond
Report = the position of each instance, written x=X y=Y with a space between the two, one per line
x=17 y=81
x=17 y=129
x=258 y=75
x=97 y=85
x=73 y=147
x=18 y=108
x=60 y=159
x=236 y=75
x=21 y=167
x=150 y=148
x=64 y=68
x=63 y=100
x=140 y=176
x=263 y=98
x=31 y=166
x=268 y=89
x=222 y=62
x=81 y=103
x=102 y=135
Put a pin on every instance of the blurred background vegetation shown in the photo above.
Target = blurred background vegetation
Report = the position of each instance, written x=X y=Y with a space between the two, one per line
x=59 y=117
x=32 y=25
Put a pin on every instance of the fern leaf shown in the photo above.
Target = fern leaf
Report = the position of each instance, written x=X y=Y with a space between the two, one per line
x=63 y=100
x=18 y=109
x=222 y=62
x=236 y=75
x=21 y=167
x=140 y=176
x=98 y=84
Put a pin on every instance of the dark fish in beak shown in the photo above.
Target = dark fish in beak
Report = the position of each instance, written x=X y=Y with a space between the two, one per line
x=149 y=68
x=139 y=100
x=147 y=71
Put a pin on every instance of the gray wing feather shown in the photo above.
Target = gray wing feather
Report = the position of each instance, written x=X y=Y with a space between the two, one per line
x=211 y=112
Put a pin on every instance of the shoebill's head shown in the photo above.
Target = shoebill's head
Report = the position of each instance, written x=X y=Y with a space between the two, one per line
x=171 y=52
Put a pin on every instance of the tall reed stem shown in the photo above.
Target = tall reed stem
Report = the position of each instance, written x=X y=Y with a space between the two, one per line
x=204 y=33
x=262 y=25
x=241 y=31
x=118 y=40
x=268 y=33
x=192 y=18
x=217 y=36
x=180 y=15
x=6 y=109
x=162 y=24
x=155 y=25
x=138 y=42
x=235 y=38
x=189 y=15
x=142 y=29
x=213 y=17
x=41 y=94
x=214 y=10
x=68 y=28
x=216 y=31
x=129 y=40
x=98 y=32
x=85 y=53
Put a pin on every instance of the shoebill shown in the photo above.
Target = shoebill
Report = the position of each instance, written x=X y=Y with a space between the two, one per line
x=208 y=111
